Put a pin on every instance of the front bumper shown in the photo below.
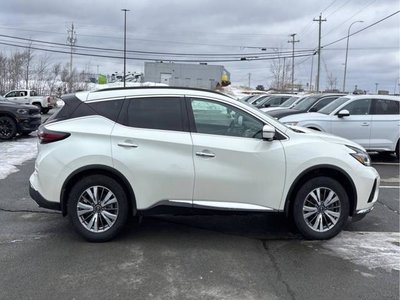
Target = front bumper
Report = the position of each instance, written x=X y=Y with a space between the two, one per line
x=29 y=123
x=41 y=201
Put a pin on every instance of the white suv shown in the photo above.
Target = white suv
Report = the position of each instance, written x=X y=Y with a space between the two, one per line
x=373 y=121
x=112 y=153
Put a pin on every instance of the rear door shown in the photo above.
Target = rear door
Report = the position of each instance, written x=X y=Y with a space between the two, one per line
x=152 y=147
x=357 y=126
x=385 y=128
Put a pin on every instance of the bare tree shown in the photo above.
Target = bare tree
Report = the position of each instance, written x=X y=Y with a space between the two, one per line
x=15 y=66
x=280 y=74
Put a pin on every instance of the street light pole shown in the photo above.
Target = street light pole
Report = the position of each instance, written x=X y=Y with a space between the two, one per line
x=124 y=10
x=347 y=51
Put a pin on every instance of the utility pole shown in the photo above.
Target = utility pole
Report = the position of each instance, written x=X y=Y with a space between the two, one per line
x=376 y=88
x=124 y=10
x=292 y=42
x=283 y=74
x=71 y=40
x=28 y=60
x=319 y=20
x=249 y=79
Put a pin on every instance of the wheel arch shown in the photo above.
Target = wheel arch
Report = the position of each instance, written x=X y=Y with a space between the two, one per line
x=97 y=170
x=322 y=170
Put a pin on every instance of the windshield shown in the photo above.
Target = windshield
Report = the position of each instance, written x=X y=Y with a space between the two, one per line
x=261 y=99
x=306 y=103
x=289 y=102
x=333 y=105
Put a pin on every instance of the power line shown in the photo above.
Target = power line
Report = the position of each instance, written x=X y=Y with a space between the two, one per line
x=362 y=29
x=154 y=59
x=237 y=55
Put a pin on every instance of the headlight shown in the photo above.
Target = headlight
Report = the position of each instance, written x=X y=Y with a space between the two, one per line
x=360 y=155
x=22 y=111
x=291 y=123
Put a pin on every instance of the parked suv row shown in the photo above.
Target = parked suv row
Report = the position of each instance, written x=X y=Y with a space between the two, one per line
x=114 y=153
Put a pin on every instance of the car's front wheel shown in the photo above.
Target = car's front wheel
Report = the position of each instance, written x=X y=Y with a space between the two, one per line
x=321 y=208
x=98 y=208
x=8 y=128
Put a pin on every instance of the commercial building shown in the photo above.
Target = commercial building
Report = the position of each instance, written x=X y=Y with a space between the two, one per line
x=186 y=75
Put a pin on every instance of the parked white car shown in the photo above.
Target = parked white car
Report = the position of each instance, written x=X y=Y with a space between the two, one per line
x=373 y=121
x=112 y=153
x=23 y=96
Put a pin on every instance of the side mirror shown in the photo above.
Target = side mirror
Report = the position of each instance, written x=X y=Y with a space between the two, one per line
x=343 y=113
x=268 y=132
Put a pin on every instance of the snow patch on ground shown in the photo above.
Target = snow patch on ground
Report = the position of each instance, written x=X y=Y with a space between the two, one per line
x=15 y=153
x=370 y=249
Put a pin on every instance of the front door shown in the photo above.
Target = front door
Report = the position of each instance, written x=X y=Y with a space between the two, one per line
x=234 y=167
x=357 y=126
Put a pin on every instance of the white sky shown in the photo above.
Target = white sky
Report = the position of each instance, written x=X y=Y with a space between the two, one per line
x=222 y=27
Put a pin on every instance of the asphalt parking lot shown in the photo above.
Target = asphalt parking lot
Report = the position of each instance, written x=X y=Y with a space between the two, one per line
x=212 y=257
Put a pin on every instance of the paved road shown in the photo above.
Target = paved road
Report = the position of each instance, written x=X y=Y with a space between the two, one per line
x=230 y=257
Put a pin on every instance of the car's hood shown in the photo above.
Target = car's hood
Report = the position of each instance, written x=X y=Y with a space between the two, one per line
x=264 y=109
x=280 y=113
x=311 y=116
x=326 y=136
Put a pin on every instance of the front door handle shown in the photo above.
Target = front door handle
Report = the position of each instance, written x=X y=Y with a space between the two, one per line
x=127 y=145
x=205 y=153
x=365 y=124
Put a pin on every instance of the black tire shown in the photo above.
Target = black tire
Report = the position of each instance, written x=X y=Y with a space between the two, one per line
x=328 y=216
x=8 y=128
x=398 y=149
x=97 y=228
x=25 y=133
x=45 y=110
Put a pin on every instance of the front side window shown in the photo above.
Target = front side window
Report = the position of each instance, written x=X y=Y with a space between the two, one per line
x=221 y=119
x=322 y=103
x=386 y=107
x=163 y=113
x=359 y=107
x=11 y=94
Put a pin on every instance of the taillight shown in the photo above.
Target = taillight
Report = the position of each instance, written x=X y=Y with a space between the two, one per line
x=48 y=136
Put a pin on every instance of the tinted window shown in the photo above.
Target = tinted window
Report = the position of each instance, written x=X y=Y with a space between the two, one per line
x=359 y=107
x=217 y=118
x=156 y=113
x=386 y=107
x=109 y=109
x=322 y=103
x=334 y=105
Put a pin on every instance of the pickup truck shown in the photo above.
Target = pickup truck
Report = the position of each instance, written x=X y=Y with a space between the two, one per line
x=44 y=103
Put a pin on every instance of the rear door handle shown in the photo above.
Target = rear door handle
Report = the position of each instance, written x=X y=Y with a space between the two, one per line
x=127 y=145
x=205 y=153
x=365 y=124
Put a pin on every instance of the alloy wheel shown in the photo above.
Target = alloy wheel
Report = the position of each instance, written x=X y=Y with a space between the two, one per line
x=97 y=209
x=321 y=209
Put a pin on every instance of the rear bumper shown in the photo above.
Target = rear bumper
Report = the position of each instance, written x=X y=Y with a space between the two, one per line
x=41 y=201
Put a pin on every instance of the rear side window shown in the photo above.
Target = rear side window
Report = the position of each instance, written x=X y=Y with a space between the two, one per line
x=165 y=113
x=109 y=109
x=385 y=107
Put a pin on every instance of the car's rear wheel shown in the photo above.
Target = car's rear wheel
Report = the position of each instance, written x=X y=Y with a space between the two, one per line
x=98 y=208
x=321 y=208
x=398 y=149
x=8 y=128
